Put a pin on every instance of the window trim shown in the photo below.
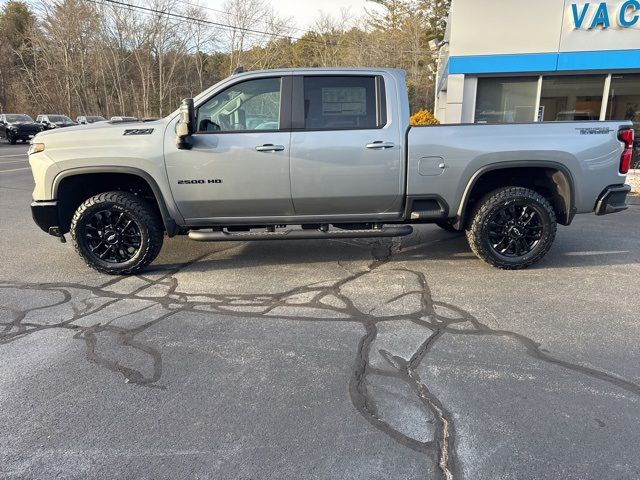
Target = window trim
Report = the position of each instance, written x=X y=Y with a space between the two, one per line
x=298 y=120
x=285 y=106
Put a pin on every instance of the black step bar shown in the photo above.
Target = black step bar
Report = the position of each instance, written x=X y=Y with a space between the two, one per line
x=221 y=236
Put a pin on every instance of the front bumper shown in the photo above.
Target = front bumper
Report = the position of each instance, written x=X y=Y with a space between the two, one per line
x=613 y=200
x=23 y=133
x=45 y=214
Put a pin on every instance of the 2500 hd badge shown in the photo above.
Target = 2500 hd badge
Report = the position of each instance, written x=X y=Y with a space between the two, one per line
x=199 y=182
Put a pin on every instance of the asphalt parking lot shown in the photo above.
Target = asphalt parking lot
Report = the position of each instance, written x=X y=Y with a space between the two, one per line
x=405 y=359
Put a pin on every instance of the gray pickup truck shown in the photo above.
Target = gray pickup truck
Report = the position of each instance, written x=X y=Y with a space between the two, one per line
x=320 y=153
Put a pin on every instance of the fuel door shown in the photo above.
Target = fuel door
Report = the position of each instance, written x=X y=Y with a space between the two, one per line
x=431 y=166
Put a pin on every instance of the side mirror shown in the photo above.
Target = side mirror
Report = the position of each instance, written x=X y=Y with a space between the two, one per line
x=186 y=124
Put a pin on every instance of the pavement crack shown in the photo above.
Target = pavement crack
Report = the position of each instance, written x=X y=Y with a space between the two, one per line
x=156 y=296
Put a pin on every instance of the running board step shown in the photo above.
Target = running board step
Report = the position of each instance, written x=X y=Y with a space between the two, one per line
x=210 y=236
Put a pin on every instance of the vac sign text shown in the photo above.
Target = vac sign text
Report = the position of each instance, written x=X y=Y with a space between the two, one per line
x=594 y=15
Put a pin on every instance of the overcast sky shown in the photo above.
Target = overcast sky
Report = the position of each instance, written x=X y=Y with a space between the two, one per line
x=305 y=12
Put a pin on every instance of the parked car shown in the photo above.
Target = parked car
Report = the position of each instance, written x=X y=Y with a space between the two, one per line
x=124 y=119
x=50 y=122
x=18 y=127
x=331 y=153
x=84 y=120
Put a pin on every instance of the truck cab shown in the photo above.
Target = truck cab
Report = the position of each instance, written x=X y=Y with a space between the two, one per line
x=278 y=145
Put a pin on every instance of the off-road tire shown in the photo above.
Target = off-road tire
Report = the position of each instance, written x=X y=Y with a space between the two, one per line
x=145 y=218
x=447 y=225
x=478 y=227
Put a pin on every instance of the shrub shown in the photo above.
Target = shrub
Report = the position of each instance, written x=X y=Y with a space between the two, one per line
x=423 y=117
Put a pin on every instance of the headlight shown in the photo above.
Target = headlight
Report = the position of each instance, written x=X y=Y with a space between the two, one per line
x=13 y=128
x=36 y=148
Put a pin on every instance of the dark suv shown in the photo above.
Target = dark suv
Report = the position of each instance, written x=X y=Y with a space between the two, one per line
x=49 y=122
x=14 y=127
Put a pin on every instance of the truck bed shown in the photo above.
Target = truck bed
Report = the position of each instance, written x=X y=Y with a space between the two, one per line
x=442 y=160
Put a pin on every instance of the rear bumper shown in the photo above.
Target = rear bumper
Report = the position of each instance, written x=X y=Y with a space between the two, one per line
x=45 y=214
x=613 y=200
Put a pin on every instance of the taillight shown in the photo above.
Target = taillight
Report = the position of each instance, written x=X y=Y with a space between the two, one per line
x=626 y=136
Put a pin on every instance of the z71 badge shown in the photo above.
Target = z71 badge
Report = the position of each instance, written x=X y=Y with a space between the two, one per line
x=138 y=131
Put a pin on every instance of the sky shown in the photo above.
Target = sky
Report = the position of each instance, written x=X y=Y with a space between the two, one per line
x=305 y=12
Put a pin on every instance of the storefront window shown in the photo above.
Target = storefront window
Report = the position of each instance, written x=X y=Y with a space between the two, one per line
x=624 y=104
x=573 y=98
x=506 y=100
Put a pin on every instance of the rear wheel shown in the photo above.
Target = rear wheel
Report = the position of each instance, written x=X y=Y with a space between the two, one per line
x=117 y=233
x=512 y=228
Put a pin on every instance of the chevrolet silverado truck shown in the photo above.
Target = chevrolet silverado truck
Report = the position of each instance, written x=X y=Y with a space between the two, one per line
x=320 y=154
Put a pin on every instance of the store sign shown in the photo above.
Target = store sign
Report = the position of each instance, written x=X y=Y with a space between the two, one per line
x=588 y=16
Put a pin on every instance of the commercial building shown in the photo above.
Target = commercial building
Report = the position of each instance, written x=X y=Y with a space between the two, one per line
x=548 y=60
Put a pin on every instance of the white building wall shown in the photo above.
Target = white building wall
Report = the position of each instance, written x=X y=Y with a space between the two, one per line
x=486 y=27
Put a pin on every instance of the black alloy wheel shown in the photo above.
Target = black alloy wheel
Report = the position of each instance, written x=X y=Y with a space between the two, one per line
x=515 y=229
x=112 y=235
x=512 y=228
x=117 y=232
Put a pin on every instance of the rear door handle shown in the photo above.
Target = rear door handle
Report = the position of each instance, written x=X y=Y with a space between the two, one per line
x=270 y=147
x=380 y=145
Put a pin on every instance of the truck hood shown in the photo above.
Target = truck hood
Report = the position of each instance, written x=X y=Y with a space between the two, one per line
x=103 y=135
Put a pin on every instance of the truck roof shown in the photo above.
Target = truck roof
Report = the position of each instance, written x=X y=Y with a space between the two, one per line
x=281 y=71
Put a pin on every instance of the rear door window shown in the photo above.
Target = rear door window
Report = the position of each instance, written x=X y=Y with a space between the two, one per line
x=342 y=103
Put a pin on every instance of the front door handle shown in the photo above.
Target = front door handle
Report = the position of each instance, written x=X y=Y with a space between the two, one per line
x=380 y=145
x=270 y=147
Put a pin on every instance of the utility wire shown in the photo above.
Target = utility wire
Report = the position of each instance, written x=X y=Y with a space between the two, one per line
x=225 y=26
x=303 y=30
x=205 y=21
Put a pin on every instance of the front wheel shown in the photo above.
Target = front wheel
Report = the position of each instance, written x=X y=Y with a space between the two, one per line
x=512 y=228
x=117 y=233
x=10 y=139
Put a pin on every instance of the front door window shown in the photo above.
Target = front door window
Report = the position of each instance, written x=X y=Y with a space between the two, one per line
x=249 y=106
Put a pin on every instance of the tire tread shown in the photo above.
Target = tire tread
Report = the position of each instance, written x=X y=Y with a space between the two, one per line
x=136 y=205
x=482 y=208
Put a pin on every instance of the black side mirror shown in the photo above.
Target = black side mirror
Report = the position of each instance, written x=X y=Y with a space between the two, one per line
x=186 y=124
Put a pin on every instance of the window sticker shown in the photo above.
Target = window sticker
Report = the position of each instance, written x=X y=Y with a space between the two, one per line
x=344 y=101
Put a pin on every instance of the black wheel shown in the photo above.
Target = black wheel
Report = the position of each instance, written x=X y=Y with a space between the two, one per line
x=512 y=228
x=117 y=233
x=447 y=225
x=10 y=139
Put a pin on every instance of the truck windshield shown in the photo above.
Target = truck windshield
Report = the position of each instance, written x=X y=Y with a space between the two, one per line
x=19 y=118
